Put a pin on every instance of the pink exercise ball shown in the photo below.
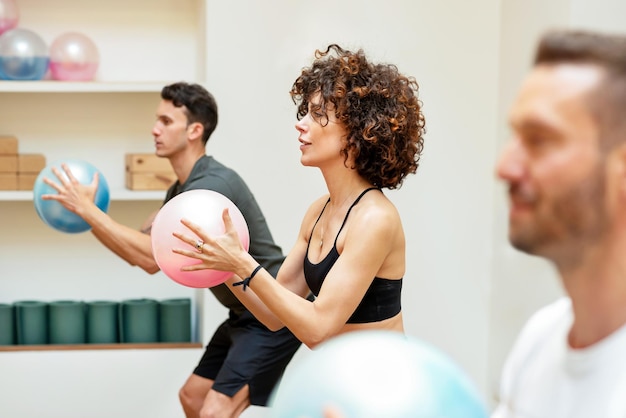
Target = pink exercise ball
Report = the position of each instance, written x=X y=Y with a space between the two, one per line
x=204 y=208
x=73 y=57
x=9 y=15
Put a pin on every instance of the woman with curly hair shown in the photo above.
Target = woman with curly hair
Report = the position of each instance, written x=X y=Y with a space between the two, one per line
x=361 y=124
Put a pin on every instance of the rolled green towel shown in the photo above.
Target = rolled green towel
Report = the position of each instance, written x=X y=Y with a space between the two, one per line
x=139 y=321
x=102 y=322
x=66 y=322
x=7 y=324
x=175 y=320
x=31 y=321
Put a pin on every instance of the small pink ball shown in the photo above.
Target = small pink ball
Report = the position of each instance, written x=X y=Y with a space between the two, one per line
x=202 y=207
x=73 y=57
x=9 y=15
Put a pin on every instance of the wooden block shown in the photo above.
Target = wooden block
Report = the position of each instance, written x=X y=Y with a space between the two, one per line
x=8 y=145
x=8 y=163
x=149 y=181
x=30 y=163
x=8 y=181
x=147 y=163
x=26 y=181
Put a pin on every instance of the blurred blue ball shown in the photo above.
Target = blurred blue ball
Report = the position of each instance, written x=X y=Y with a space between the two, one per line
x=54 y=213
x=377 y=374
x=23 y=55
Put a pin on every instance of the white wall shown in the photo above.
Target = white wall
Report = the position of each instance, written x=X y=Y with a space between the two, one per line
x=87 y=384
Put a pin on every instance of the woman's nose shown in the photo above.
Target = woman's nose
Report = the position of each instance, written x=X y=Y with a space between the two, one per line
x=300 y=126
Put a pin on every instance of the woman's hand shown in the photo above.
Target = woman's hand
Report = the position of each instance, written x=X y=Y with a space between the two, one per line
x=222 y=252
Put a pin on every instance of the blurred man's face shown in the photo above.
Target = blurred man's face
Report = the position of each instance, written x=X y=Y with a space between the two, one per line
x=553 y=165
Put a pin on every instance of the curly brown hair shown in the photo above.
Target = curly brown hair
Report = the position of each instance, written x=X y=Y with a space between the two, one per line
x=378 y=106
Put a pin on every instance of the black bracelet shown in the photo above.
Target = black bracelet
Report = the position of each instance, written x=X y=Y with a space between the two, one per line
x=246 y=282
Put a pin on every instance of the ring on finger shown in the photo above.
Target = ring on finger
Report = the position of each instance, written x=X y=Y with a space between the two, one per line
x=199 y=243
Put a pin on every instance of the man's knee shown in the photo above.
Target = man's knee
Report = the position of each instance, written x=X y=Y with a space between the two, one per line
x=185 y=396
x=193 y=393
x=218 y=405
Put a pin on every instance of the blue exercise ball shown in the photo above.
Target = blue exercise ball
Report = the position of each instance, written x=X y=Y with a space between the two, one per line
x=23 y=55
x=377 y=374
x=54 y=213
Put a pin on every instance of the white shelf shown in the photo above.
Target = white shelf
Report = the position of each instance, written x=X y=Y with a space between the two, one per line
x=143 y=46
x=115 y=195
x=80 y=87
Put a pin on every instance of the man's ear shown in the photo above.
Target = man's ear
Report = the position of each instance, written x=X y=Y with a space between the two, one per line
x=194 y=131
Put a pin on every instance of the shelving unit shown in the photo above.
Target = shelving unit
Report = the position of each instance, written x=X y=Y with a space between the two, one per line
x=48 y=86
x=143 y=45
x=124 y=346
x=119 y=194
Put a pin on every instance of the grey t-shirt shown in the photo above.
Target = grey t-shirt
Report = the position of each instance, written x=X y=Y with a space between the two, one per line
x=210 y=174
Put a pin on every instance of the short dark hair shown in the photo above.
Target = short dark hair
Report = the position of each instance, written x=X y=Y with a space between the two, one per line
x=200 y=105
x=377 y=104
x=607 y=51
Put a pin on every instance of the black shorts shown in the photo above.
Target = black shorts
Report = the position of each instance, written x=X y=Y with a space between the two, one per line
x=243 y=351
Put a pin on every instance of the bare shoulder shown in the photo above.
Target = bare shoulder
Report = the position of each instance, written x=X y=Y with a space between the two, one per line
x=377 y=215
x=376 y=207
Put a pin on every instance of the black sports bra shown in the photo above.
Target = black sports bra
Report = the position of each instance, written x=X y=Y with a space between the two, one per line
x=382 y=299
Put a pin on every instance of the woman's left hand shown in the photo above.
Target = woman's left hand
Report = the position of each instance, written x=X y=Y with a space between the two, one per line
x=222 y=252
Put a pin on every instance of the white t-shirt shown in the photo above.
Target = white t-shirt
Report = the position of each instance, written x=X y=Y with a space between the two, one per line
x=544 y=378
